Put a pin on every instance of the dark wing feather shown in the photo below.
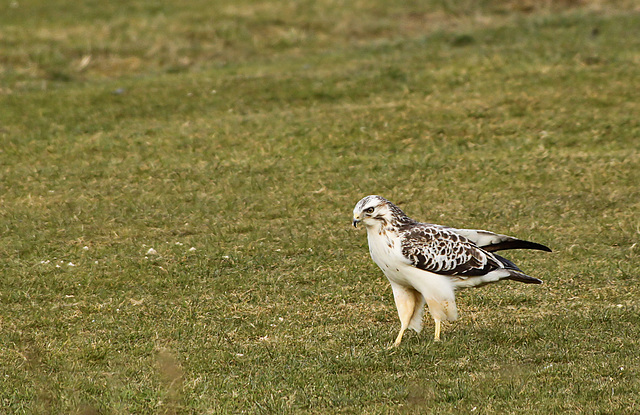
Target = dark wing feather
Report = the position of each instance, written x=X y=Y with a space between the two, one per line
x=516 y=244
x=492 y=242
x=442 y=251
x=506 y=263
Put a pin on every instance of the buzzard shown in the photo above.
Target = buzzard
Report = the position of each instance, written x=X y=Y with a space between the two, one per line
x=426 y=263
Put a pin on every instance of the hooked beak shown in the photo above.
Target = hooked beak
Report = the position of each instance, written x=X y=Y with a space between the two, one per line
x=356 y=221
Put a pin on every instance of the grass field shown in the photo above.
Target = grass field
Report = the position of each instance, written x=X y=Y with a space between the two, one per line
x=177 y=184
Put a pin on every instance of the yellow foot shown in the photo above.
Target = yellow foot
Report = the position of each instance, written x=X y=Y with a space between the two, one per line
x=399 y=338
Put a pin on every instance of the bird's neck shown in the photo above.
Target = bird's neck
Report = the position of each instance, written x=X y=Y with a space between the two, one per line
x=380 y=228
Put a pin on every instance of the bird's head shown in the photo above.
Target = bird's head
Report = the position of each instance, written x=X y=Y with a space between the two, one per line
x=374 y=210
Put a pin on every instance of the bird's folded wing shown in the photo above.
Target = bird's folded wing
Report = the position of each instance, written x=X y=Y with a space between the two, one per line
x=444 y=251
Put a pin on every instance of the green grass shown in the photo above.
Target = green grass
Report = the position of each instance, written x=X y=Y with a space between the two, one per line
x=247 y=131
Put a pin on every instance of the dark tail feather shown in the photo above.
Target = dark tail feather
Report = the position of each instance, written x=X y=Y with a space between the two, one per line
x=516 y=244
x=519 y=276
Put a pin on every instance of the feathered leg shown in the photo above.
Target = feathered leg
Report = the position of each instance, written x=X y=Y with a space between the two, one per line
x=442 y=310
x=418 y=312
x=406 y=300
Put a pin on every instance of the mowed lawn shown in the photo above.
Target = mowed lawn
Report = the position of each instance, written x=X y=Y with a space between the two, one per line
x=176 y=190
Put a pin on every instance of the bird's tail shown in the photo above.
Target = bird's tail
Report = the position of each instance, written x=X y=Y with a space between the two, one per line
x=519 y=276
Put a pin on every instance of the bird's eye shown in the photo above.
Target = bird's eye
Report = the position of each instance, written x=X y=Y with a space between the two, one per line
x=369 y=210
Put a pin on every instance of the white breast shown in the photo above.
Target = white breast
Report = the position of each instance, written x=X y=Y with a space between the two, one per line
x=386 y=251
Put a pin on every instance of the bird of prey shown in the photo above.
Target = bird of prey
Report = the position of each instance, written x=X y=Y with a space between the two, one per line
x=426 y=263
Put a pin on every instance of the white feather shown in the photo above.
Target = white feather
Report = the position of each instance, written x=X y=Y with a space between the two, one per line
x=426 y=263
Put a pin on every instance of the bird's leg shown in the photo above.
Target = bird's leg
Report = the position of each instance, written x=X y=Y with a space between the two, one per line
x=418 y=312
x=405 y=303
x=441 y=310
x=399 y=338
